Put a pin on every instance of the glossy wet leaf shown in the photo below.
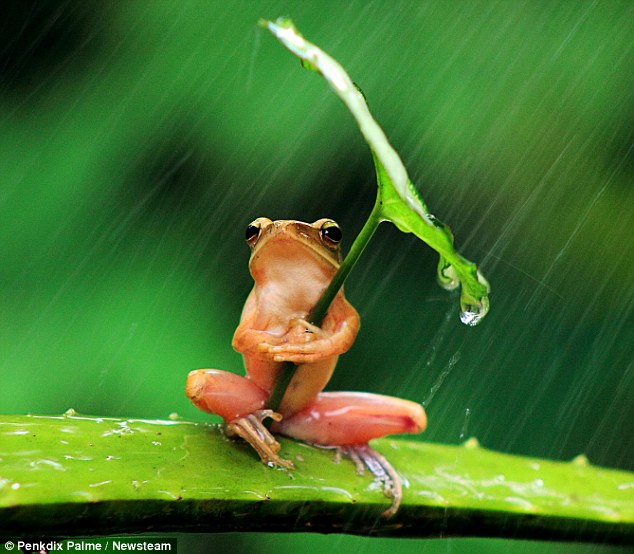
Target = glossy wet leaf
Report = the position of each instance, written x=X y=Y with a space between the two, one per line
x=397 y=201
x=80 y=475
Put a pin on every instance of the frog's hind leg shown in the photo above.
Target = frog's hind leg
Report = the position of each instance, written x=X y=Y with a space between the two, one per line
x=224 y=393
x=240 y=402
x=349 y=420
x=341 y=418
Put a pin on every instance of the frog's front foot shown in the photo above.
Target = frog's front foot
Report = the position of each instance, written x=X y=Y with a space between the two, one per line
x=365 y=457
x=252 y=430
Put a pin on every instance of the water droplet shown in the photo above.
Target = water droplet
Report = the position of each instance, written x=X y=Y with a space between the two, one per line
x=580 y=460
x=120 y=429
x=521 y=503
x=17 y=432
x=170 y=494
x=100 y=483
x=47 y=464
x=78 y=458
x=473 y=312
x=471 y=443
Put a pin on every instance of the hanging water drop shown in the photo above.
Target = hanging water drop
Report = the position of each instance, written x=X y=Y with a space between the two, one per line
x=472 y=312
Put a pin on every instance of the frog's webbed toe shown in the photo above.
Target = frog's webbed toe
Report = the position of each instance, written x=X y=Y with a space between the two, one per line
x=363 y=456
x=252 y=430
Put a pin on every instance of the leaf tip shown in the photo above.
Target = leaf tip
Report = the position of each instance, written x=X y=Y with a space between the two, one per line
x=282 y=22
x=474 y=300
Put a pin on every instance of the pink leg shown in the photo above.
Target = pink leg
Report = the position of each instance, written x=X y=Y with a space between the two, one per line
x=226 y=394
x=240 y=402
x=344 y=418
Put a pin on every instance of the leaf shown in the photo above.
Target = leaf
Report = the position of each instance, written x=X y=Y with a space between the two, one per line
x=453 y=268
x=75 y=475
x=400 y=203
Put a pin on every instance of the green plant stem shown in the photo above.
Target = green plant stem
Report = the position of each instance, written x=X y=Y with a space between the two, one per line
x=318 y=313
x=70 y=475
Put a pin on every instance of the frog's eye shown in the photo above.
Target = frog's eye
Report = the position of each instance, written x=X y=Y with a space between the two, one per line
x=253 y=232
x=331 y=232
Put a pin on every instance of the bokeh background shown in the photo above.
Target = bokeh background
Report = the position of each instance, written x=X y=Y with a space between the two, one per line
x=138 y=139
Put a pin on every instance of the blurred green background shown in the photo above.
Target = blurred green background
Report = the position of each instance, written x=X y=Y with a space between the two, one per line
x=138 y=139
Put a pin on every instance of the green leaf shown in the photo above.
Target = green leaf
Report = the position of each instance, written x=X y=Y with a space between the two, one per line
x=398 y=200
x=410 y=216
x=72 y=475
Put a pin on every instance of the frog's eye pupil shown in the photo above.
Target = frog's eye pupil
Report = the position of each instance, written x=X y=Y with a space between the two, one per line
x=252 y=232
x=332 y=232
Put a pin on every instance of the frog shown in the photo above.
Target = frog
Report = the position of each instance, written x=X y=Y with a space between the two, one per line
x=292 y=263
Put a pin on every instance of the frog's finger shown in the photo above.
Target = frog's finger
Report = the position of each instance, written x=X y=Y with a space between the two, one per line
x=299 y=359
x=307 y=326
x=265 y=347
x=314 y=347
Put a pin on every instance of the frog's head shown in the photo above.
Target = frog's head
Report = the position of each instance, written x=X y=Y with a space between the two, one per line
x=285 y=243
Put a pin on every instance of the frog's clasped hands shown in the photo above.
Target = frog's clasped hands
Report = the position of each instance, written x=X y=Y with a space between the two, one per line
x=292 y=263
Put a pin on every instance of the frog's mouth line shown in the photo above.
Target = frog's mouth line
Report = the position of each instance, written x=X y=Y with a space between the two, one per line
x=321 y=256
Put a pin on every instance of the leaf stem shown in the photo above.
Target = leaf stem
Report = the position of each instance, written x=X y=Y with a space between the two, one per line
x=318 y=313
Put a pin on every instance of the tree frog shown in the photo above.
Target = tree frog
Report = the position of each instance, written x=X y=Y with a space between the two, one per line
x=292 y=263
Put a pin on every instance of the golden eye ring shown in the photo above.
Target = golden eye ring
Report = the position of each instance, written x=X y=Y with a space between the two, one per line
x=253 y=232
x=331 y=233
